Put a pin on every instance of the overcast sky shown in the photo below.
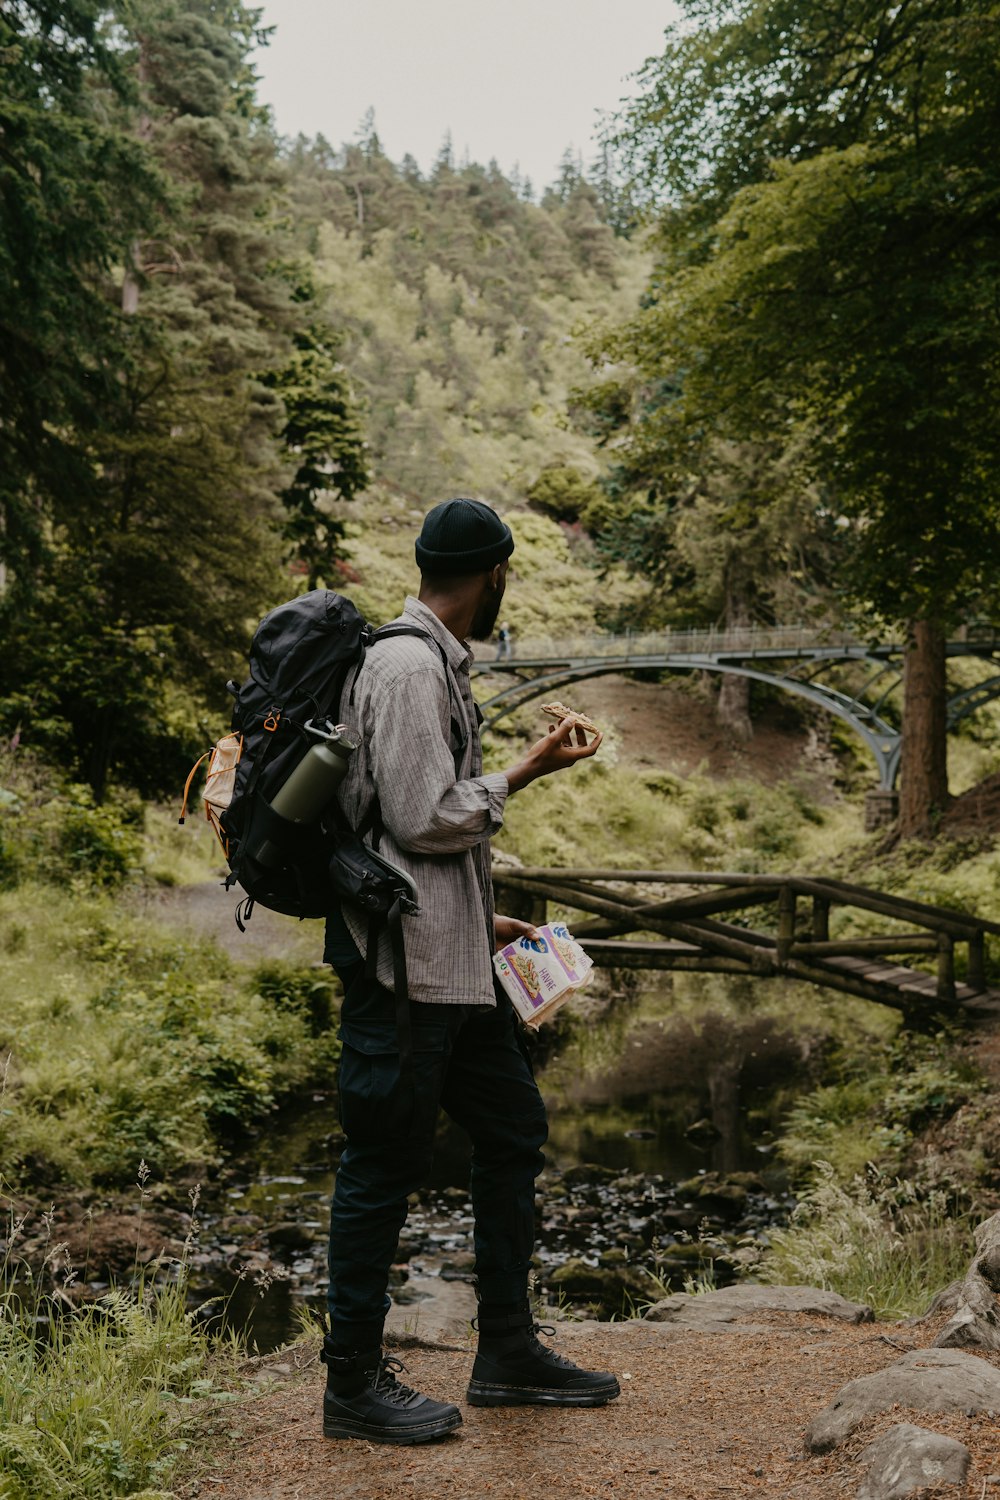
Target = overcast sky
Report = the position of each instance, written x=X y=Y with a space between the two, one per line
x=518 y=80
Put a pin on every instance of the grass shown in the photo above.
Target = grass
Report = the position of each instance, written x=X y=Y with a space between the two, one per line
x=608 y=812
x=105 y=1401
x=874 y=1240
x=870 y=1108
x=119 y=1039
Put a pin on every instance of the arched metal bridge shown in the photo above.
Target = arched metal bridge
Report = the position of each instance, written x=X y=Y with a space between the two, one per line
x=796 y=659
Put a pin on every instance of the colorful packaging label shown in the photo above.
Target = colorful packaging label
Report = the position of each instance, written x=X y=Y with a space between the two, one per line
x=539 y=973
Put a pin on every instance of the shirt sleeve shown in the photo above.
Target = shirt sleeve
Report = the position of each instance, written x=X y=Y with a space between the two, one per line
x=424 y=807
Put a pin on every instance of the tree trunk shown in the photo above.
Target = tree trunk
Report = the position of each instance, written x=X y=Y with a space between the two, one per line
x=732 y=708
x=924 y=762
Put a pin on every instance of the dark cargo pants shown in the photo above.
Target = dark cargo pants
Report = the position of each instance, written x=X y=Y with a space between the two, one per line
x=470 y=1062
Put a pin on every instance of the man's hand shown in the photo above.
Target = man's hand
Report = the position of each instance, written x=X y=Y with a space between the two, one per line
x=508 y=929
x=556 y=751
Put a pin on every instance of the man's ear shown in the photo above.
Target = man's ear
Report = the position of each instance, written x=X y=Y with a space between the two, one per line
x=496 y=576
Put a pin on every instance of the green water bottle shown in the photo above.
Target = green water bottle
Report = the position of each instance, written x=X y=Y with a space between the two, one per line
x=311 y=786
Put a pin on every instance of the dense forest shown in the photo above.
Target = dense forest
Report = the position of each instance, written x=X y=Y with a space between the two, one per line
x=750 y=359
x=216 y=340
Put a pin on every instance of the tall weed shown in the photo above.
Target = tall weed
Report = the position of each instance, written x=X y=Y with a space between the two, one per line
x=872 y=1110
x=873 y=1240
x=103 y=1401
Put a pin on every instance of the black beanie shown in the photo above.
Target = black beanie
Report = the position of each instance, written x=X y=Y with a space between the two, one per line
x=462 y=536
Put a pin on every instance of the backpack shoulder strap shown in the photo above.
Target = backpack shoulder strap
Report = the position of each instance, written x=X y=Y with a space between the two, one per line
x=458 y=724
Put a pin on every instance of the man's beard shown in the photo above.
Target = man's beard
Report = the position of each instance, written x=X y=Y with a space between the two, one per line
x=486 y=616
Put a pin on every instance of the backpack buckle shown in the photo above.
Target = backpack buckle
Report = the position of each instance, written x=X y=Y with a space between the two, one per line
x=272 y=720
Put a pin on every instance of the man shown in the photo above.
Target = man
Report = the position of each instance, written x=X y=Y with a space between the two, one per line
x=420 y=758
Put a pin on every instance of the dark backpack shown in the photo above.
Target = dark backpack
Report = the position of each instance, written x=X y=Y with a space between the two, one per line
x=300 y=657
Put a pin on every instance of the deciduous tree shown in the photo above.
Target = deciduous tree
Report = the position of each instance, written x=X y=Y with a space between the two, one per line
x=830 y=238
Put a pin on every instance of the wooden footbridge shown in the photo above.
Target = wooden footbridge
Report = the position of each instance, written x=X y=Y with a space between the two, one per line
x=790 y=926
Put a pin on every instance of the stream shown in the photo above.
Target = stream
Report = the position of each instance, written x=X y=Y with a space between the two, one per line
x=659 y=1164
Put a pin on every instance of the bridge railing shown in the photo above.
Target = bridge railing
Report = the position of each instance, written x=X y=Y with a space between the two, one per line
x=797 y=942
x=631 y=643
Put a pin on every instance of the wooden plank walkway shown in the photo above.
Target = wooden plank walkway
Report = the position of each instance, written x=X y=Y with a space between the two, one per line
x=636 y=922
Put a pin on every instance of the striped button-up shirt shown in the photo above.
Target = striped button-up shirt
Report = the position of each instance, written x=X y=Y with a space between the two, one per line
x=439 y=816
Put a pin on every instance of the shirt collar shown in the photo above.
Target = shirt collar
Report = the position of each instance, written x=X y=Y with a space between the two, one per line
x=417 y=613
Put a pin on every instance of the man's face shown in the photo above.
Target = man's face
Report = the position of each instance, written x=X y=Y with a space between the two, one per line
x=489 y=605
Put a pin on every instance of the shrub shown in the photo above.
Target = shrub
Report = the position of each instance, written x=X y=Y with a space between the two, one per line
x=126 y=1042
x=53 y=831
x=871 y=1112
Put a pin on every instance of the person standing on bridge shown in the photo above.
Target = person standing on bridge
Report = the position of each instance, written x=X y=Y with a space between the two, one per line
x=420 y=757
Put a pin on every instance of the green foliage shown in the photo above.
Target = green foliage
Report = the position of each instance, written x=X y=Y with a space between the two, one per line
x=53 y=831
x=322 y=429
x=605 y=814
x=152 y=563
x=873 y=1109
x=75 y=187
x=829 y=257
x=124 y=1042
x=552 y=588
x=461 y=307
x=107 y=1401
x=874 y=1241
x=563 y=493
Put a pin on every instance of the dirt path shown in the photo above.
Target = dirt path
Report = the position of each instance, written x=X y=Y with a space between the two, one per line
x=702 y=1416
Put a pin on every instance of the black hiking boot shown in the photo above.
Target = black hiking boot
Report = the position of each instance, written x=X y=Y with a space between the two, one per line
x=365 y=1400
x=513 y=1368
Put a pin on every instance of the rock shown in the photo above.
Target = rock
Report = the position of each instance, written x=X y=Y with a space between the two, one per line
x=923 y=1380
x=672 y=1219
x=703 y=1132
x=718 y=1196
x=292 y=1236
x=459 y=1266
x=587 y=1173
x=976 y=1322
x=605 y=1284
x=454 y=1195
x=717 y=1312
x=906 y=1459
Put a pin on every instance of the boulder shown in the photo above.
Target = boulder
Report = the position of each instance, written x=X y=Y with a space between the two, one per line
x=717 y=1312
x=976 y=1320
x=923 y=1380
x=720 y=1196
x=611 y=1286
x=291 y=1235
x=907 y=1460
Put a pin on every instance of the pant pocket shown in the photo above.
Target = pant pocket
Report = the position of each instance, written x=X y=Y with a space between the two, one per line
x=379 y=1100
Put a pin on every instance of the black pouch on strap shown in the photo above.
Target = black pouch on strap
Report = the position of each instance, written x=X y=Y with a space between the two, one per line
x=360 y=875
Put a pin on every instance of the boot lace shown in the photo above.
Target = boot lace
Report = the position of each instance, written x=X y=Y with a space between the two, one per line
x=549 y=1355
x=385 y=1384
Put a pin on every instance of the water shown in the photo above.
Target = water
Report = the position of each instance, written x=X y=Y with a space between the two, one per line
x=621 y=1101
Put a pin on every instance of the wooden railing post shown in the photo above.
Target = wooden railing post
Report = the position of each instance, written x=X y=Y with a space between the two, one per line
x=976 y=975
x=524 y=905
x=946 y=967
x=821 y=920
x=786 y=923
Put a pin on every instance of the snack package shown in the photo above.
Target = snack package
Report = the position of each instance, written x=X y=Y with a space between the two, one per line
x=540 y=973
